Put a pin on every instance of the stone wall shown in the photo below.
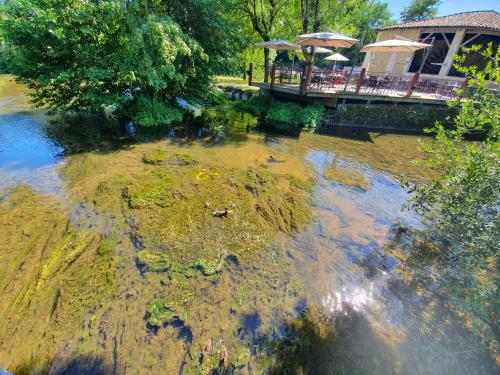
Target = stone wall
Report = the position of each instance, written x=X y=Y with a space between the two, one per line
x=395 y=117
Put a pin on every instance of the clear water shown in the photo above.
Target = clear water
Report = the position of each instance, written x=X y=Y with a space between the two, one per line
x=340 y=260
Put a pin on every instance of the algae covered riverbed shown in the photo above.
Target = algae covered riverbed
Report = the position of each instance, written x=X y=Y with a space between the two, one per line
x=113 y=262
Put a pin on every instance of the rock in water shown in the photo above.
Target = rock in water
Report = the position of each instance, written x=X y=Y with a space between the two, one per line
x=130 y=128
x=220 y=213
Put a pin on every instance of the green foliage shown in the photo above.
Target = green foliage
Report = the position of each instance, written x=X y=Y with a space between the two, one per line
x=294 y=114
x=256 y=104
x=154 y=193
x=155 y=113
x=420 y=10
x=312 y=115
x=209 y=268
x=128 y=57
x=463 y=204
x=155 y=156
x=156 y=262
x=309 y=116
x=159 y=313
x=286 y=113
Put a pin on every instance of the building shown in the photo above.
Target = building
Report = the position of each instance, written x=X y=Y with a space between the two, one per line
x=447 y=35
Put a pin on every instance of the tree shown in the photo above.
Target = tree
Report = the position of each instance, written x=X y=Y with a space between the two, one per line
x=130 y=56
x=463 y=203
x=263 y=16
x=420 y=10
x=309 y=12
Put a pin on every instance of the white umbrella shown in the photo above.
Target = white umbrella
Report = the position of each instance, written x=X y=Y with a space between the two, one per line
x=331 y=39
x=280 y=45
x=395 y=45
x=336 y=57
x=319 y=49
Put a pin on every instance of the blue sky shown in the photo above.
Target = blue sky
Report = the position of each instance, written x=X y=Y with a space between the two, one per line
x=448 y=6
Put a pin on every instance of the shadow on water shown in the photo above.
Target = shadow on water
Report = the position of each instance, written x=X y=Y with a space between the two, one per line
x=77 y=365
x=315 y=344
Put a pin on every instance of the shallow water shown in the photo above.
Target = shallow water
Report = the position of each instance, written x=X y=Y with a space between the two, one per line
x=308 y=282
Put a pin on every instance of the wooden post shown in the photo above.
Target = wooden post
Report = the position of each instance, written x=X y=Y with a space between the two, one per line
x=250 y=74
x=359 y=82
x=273 y=76
x=412 y=83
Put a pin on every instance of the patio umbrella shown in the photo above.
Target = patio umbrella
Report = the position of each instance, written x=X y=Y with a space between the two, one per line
x=336 y=57
x=330 y=39
x=319 y=49
x=395 y=45
x=279 y=45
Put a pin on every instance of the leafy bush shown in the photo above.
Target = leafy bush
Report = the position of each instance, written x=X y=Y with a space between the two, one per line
x=155 y=113
x=463 y=203
x=312 y=115
x=290 y=113
x=256 y=104
x=287 y=113
x=214 y=95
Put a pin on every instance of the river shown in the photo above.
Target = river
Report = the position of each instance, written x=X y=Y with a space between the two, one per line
x=224 y=246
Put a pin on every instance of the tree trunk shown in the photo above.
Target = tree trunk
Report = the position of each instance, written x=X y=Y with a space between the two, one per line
x=307 y=72
x=266 y=65
x=244 y=65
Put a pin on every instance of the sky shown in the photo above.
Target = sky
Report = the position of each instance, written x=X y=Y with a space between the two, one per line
x=448 y=6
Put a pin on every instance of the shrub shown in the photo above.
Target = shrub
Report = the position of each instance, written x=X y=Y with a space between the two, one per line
x=256 y=104
x=155 y=113
x=287 y=113
x=312 y=115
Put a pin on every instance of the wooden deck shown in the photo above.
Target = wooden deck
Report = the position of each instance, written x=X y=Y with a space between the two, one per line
x=331 y=97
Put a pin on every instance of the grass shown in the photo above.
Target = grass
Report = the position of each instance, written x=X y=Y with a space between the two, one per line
x=237 y=82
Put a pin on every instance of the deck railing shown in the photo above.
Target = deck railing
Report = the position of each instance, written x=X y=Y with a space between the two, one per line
x=336 y=80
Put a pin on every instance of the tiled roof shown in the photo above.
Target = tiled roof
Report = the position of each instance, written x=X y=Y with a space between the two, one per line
x=482 y=19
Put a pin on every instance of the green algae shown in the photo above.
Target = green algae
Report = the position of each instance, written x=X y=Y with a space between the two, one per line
x=149 y=194
x=205 y=174
x=159 y=156
x=346 y=177
x=65 y=252
x=209 y=268
x=161 y=312
x=156 y=262
x=108 y=244
x=241 y=357
x=155 y=156
x=279 y=201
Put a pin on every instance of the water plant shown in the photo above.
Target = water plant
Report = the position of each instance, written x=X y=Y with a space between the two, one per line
x=309 y=116
x=161 y=312
x=154 y=261
x=312 y=115
x=210 y=267
x=155 y=192
x=155 y=156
